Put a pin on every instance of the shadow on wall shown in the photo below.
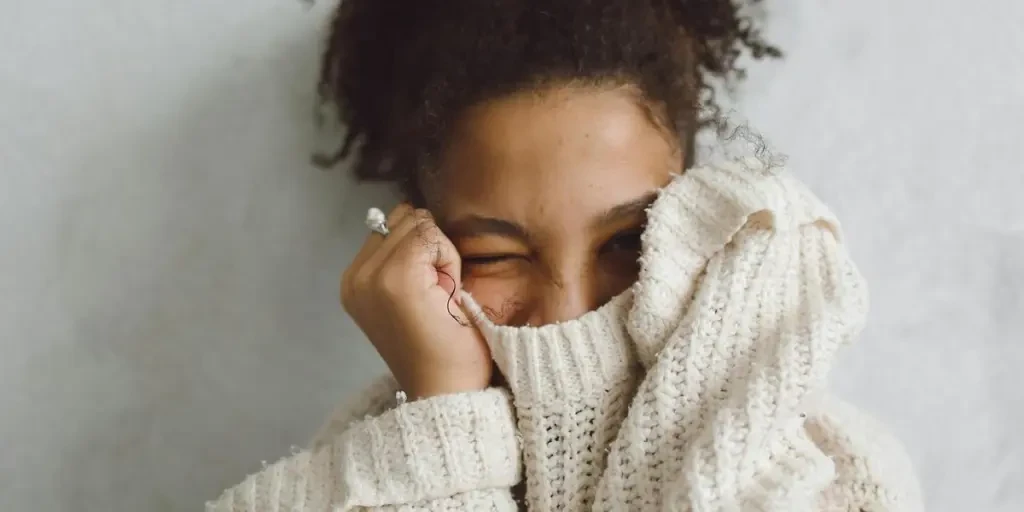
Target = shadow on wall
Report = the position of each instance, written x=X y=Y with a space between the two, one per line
x=200 y=262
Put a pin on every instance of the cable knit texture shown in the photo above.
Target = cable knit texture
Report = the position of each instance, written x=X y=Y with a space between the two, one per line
x=702 y=388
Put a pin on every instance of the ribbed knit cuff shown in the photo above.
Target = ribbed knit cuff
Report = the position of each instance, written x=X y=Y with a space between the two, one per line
x=553 y=363
x=430 y=448
x=700 y=212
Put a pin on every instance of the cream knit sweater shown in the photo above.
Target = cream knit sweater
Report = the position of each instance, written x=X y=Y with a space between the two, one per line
x=702 y=388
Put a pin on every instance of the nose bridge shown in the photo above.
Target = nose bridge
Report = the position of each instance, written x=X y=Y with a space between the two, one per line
x=566 y=297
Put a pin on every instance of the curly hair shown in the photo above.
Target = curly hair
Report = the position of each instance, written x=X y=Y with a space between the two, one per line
x=400 y=72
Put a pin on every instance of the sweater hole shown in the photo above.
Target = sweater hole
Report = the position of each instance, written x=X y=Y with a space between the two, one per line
x=763 y=219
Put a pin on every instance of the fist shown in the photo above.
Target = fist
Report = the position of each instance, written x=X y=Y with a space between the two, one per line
x=400 y=290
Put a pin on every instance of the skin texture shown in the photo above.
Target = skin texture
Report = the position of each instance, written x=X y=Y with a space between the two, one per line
x=543 y=195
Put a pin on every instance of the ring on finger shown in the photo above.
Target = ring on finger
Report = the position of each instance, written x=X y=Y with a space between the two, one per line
x=377 y=222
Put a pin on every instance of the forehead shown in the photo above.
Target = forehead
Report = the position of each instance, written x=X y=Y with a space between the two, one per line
x=552 y=157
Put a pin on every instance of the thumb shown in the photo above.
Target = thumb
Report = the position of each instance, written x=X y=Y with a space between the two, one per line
x=448 y=266
x=448 y=261
x=437 y=252
x=473 y=310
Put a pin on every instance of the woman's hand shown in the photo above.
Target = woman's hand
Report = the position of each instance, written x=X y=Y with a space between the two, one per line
x=398 y=290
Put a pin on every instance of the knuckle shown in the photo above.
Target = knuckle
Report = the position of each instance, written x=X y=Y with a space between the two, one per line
x=347 y=298
x=398 y=212
x=346 y=302
x=347 y=279
x=392 y=282
x=350 y=287
x=428 y=230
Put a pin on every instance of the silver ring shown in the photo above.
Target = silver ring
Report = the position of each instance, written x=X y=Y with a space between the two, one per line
x=377 y=222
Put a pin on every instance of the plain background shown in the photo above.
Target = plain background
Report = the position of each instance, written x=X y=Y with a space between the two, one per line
x=169 y=260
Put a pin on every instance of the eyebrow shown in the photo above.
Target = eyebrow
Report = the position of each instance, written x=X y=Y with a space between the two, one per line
x=476 y=225
x=626 y=211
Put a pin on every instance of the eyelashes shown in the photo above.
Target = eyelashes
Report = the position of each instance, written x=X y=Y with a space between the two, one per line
x=486 y=260
x=616 y=255
x=628 y=241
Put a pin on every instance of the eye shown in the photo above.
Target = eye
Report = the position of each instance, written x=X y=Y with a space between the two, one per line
x=492 y=265
x=487 y=260
x=629 y=241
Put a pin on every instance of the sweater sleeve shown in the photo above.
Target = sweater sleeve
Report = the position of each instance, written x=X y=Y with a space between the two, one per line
x=749 y=448
x=442 y=453
x=766 y=297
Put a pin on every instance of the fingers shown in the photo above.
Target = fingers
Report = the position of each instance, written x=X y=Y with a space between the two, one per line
x=375 y=240
x=424 y=245
x=411 y=223
x=367 y=261
x=414 y=253
x=443 y=255
x=439 y=255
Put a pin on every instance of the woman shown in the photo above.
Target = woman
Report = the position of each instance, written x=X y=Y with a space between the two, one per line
x=660 y=339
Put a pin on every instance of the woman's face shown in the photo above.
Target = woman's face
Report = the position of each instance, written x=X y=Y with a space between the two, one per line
x=544 y=195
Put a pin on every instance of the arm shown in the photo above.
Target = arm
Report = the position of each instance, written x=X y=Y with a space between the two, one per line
x=750 y=450
x=439 y=453
x=456 y=444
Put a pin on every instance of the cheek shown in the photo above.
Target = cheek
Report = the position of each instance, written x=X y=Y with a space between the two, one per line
x=504 y=300
x=512 y=300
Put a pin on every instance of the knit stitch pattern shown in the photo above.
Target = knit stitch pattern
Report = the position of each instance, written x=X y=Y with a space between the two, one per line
x=702 y=388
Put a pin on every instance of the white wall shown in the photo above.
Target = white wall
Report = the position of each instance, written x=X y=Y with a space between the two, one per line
x=169 y=262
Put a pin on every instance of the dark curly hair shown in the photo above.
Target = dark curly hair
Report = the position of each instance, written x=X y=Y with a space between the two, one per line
x=401 y=71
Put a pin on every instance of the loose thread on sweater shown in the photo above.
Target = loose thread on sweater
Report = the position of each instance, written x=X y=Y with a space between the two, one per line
x=452 y=296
